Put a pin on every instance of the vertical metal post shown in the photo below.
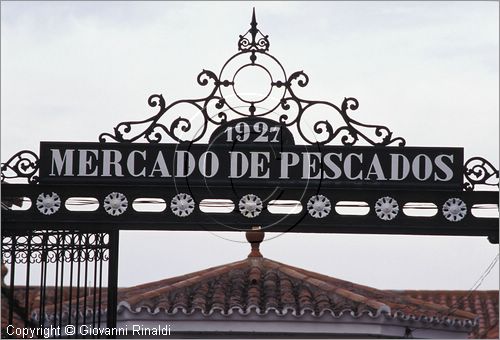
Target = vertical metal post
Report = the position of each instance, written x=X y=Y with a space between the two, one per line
x=11 y=284
x=28 y=273
x=112 y=279
x=73 y=238
x=62 y=244
x=95 y=308
x=43 y=279
x=56 y=280
x=101 y=253
x=85 y=278
x=78 y=270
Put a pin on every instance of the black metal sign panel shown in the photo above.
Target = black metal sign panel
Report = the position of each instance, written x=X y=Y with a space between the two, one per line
x=258 y=163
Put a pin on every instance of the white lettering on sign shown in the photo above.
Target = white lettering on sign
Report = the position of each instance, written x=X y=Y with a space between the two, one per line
x=366 y=165
x=445 y=168
x=185 y=163
x=288 y=159
x=331 y=165
x=396 y=165
x=375 y=169
x=131 y=161
x=238 y=160
x=160 y=166
x=259 y=164
x=87 y=161
x=202 y=164
x=311 y=165
x=348 y=166
x=111 y=158
x=59 y=162
x=417 y=167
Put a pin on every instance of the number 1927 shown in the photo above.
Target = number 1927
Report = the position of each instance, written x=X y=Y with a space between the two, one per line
x=242 y=132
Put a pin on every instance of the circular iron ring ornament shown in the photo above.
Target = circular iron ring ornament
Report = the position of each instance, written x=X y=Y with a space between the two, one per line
x=250 y=205
x=386 y=208
x=232 y=69
x=248 y=66
x=115 y=203
x=319 y=206
x=182 y=205
x=48 y=204
x=454 y=209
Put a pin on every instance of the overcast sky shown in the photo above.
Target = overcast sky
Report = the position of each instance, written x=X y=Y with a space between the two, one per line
x=427 y=70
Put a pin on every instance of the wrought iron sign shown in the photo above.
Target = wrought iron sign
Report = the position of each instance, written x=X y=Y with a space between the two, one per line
x=229 y=161
x=231 y=164
x=252 y=150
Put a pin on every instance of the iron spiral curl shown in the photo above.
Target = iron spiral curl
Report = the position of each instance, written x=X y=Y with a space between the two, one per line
x=479 y=171
x=24 y=164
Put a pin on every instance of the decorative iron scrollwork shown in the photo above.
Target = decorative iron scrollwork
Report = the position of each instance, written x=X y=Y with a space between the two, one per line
x=52 y=246
x=478 y=170
x=260 y=44
x=228 y=96
x=23 y=164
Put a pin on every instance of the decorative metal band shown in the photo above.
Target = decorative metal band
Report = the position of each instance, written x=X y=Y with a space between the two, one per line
x=52 y=246
x=188 y=119
x=23 y=164
x=478 y=170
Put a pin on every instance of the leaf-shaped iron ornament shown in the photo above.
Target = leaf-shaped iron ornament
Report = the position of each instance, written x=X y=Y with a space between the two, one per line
x=188 y=119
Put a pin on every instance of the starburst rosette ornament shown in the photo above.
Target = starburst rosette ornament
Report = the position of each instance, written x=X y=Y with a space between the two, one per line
x=48 y=204
x=454 y=209
x=319 y=206
x=386 y=208
x=250 y=205
x=182 y=205
x=115 y=203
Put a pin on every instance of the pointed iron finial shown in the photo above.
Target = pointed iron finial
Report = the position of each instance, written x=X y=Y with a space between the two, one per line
x=254 y=21
x=253 y=27
x=250 y=41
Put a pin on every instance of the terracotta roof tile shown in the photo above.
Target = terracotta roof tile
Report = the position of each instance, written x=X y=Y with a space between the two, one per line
x=484 y=304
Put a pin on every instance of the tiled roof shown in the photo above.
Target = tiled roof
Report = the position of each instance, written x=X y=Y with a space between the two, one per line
x=484 y=304
x=263 y=286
